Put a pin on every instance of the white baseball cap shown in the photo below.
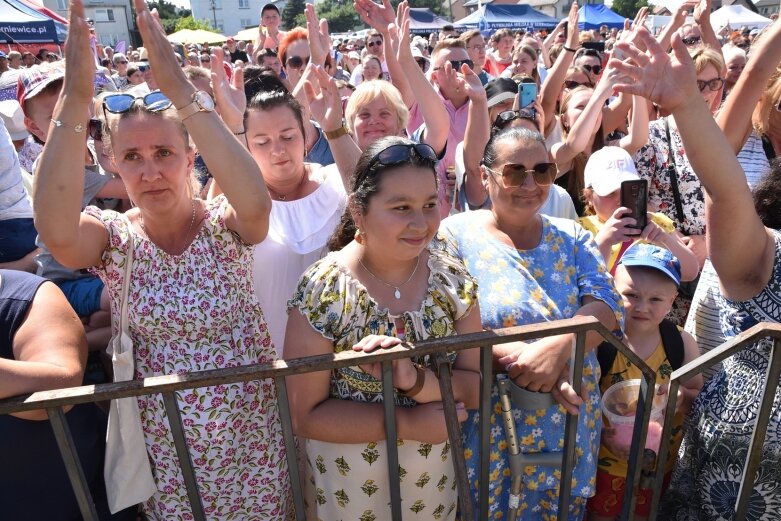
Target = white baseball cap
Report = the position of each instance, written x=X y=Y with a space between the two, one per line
x=607 y=169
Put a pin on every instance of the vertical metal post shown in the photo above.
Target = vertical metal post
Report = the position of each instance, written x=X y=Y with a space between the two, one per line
x=637 y=448
x=758 y=436
x=571 y=428
x=664 y=448
x=486 y=384
x=185 y=462
x=70 y=457
x=290 y=448
x=390 y=440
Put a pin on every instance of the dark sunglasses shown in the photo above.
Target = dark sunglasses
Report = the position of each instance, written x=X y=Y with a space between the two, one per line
x=572 y=84
x=691 y=40
x=205 y=59
x=143 y=68
x=457 y=64
x=714 y=84
x=508 y=116
x=398 y=154
x=119 y=103
x=515 y=175
x=593 y=69
x=375 y=43
x=95 y=129
x=122 y=63
x=296 y=62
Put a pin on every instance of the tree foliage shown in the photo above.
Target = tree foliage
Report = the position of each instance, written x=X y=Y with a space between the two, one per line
x=169 y=13
x=341 y=16
x=290 y=12
x=629 y=8
x=191 y=23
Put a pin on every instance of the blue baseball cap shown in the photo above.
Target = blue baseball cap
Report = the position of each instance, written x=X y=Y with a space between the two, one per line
x=2 y=55
x=650 y=256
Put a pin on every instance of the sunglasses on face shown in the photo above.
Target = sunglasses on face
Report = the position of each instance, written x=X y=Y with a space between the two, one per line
x=375 y=43
x=691 y=40
x=119 y=103
x=515 y=175
x=296 y=62
x=143 y=68
x=95 y=129
x=398 y=154
x=457 y=64
x=714 y=84
x=572 y=84
x=122 y=63
x=593 y=69
x=205 y=60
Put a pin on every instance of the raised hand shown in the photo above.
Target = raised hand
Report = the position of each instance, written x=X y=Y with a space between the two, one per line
x=229 y=96
x=667 y=80
x=470 y=83
x=702 y=12
x=319 y=37
x=325 y=104
x=376 y=16
x=79 y=81
x=573 y=38
x=402 y=26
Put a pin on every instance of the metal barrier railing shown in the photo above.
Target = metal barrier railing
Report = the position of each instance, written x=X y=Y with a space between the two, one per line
x=54 y=401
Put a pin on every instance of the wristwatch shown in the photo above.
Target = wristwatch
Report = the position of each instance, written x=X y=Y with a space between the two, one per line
x=202 y=102
x=339 y=132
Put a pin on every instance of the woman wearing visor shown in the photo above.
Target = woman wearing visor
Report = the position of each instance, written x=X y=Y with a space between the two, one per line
x=190 y=305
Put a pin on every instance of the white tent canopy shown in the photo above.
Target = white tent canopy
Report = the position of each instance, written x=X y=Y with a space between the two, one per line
x=737 y=16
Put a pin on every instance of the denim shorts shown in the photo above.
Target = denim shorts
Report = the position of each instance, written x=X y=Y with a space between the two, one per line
x=17 y=239
x=83 y=294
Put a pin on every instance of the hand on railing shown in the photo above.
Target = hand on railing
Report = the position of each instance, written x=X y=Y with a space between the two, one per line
x=404 y=372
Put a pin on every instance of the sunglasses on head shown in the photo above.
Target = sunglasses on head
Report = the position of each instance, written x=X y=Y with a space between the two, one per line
x=691 y=40
x=296 y=62
x=714 y=84
x=374 y=43
x=95 y=129
x=515 y=175
x=572 y=84
x=593 y=69
x=457 y=64
x=398 y=154
x=119 y=103
x=508 y=116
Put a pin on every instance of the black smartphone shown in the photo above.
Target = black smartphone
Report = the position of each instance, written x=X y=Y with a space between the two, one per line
x=597 y=46
x=634 y=195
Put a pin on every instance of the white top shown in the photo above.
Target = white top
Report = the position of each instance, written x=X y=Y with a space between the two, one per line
x=753 y=160
x=297 y=236
x=14 y=201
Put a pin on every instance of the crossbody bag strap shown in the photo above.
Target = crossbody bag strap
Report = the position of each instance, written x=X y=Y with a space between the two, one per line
x=123 y=323
x=673 y=173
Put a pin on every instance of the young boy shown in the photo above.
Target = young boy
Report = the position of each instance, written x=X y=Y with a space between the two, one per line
x=647 y=278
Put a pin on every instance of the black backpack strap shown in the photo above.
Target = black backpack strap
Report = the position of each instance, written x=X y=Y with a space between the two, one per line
x=767 y=146
x=606 y=355
x=672 y=172
x=672 y=341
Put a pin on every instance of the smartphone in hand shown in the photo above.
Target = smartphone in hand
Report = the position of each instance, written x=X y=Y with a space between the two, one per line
x=634 y=195
x=527 y=93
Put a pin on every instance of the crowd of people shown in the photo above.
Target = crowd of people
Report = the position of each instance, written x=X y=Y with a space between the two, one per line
x=213 y=207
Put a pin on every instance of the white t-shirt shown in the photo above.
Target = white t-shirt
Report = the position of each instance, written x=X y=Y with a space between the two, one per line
x=297 y=236
x=14 y=201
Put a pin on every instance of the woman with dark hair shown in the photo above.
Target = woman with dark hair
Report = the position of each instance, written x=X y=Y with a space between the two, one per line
x=190 y=304
x=383 y=286
x=532 y=268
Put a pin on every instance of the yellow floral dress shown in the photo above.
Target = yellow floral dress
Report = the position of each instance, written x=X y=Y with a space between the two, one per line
x=351 y=480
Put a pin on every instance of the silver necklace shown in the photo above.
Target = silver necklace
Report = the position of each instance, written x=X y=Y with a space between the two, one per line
x=396 y=293
x=189 y=229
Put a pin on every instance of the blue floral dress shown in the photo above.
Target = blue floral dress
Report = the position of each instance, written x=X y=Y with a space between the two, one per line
x=705 y=483
x=518 y=287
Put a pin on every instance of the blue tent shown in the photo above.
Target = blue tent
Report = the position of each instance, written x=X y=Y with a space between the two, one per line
x=511 y=16
x=22 y=24
x=593 y=16
x=422 y=20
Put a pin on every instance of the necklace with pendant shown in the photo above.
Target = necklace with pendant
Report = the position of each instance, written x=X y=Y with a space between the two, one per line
x=397 y=292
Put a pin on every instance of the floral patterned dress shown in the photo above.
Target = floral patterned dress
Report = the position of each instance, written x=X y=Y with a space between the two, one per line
x=520 y=287
x=717 y=433
x=351 y=480
x=192 y=312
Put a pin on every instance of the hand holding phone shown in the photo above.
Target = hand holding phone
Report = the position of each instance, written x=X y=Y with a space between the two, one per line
x=634 y=196
x=527 y=94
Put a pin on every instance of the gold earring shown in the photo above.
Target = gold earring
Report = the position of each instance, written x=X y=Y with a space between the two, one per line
x=358 y=236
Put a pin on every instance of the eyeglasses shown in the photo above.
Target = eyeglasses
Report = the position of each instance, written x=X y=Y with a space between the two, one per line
x=398 y=154
x=477 y=48
x=95 y=129
x=296 y=62
x=205 y=59
x=572 y=84
x=714 y=84
x=457 y=64
x=593 y=69
x=119 y=103
x=691 y=40
x=122 y=63
x=743 y=45
x=507 y=116
x=515 y=175
x=374 y=43
x=143 y=68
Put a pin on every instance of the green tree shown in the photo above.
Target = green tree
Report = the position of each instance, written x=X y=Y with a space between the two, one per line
x=341 y=16
x=629 y=8
x=191 y=23
x=291 y=10
x=169 y=14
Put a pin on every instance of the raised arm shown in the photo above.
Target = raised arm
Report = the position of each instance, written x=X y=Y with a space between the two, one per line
x=228 y=160
x=638 y=127
x=734 y=119
x=702 y=19
x=554 y=81
x=734 y=230
x=478 y=131
x=676 y=21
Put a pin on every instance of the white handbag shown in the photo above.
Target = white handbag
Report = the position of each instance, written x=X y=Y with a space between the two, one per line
x=126 y=470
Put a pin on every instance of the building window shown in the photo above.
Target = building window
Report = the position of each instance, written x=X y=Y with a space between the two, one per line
x=62 y=5
x=246 y=22
x=220 y=26
x=243 y=4
x=104 y=15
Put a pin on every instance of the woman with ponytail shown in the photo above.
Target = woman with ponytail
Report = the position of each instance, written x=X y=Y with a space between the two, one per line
x=382 y=285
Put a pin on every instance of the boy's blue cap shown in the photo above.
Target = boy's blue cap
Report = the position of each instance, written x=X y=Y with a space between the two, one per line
x=651 y=256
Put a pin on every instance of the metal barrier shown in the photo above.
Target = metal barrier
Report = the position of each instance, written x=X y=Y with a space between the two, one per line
x=54 y=401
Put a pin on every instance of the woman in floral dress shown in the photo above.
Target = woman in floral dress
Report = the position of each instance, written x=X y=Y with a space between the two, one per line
x=377 y=290
x=745 y=249
x=191 y=304
x=531 y=268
